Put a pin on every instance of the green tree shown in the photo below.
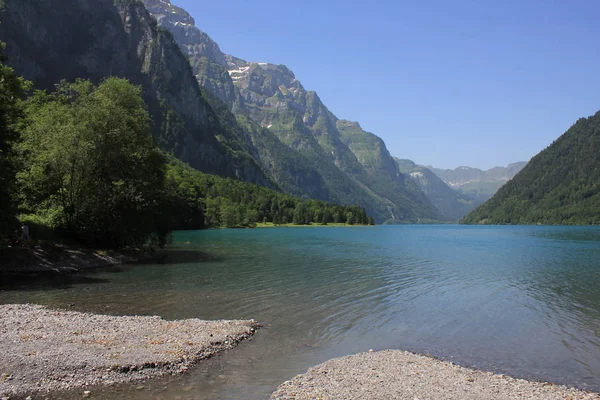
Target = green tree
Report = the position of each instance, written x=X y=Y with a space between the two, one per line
x=91 y=166
x=326 y=218
x=231 y=203
x=12 y=92
x=230 y=215
x=350 y=218
x=301 y=214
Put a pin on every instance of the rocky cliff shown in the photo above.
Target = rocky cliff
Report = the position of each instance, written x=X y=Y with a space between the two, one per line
x=208 y=63
x=50 y=40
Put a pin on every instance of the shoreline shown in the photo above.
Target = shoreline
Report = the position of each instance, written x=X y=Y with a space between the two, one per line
x=43 y=350
x=291 y=225
x=56 y=259
x=397 y=374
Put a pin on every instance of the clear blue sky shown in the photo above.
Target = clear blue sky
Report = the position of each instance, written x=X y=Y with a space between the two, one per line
x=447 y=83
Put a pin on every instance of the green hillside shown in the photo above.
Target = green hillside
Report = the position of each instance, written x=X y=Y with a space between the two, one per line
x=560 y=185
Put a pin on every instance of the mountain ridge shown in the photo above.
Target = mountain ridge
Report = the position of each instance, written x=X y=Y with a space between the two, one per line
x=270 y=97
x=477 y=183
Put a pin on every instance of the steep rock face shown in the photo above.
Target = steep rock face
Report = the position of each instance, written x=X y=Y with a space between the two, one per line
x=559 y=186
x=208 y=63
x=50 y=40
x=293 y=172
x=477 y=183
x=369 y=149
x=273 y=97
x=452 y=204
x=275 y=113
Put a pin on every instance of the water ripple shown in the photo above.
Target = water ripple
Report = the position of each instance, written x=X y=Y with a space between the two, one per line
x=518 y=300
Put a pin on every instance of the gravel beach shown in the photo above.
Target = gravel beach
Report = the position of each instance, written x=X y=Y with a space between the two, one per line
x=43 y=349
x=395 y=374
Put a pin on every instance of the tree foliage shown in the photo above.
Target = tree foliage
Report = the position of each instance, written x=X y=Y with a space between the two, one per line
x=12 y=92
x=559 y=186
x=91 y=168
x=203 y=201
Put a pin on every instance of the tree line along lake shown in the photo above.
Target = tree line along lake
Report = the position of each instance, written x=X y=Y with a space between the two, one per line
x=520 y=300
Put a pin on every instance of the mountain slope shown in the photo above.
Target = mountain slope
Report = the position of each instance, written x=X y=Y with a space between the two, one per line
x=208 y=63
x=560 y=185
x=452 y=204
x=382 y=173
x=477 y=183
x=50 y=40
x=269 y=100
x=273 y=97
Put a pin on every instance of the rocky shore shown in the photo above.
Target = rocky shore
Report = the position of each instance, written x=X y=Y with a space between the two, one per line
x=395 y=374
x=43 y=349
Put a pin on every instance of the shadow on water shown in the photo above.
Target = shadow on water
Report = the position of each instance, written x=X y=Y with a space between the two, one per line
x=565 y=234
x=50 y=282
x=178 y=255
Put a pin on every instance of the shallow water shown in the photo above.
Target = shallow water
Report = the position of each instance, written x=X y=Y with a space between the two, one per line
x=519 y=300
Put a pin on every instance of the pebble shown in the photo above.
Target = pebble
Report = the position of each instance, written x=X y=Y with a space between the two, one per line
x=404 y=375
x=107 y=349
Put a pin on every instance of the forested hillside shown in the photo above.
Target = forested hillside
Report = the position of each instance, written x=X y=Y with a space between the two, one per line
x=203 y=200
x=560 y=185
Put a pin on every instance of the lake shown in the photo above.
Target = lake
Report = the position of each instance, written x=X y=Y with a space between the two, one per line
x=524 y=301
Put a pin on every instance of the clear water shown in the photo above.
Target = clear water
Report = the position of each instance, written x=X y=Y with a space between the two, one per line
x=518 y=300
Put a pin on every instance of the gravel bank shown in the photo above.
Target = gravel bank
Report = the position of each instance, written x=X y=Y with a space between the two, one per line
x=395 y=374
x=42 y=349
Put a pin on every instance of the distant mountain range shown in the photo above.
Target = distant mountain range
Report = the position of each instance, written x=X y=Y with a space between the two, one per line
x=481 y=185
x=560 y=185
x=452 y=204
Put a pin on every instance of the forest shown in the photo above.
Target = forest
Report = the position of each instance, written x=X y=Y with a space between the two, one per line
x=559 y=186
x=80 y=162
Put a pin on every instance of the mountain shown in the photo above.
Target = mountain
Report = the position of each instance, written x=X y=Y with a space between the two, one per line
x=278 y=115
x=477 y=183
x=452 y=204
x=560 y=185
x=208 y=63
x=51 y=40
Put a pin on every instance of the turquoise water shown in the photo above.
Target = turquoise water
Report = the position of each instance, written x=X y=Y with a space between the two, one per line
x=518 y=300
